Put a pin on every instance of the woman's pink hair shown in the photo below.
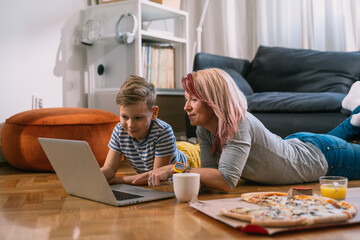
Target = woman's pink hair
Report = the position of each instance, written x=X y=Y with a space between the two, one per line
x=218 y=90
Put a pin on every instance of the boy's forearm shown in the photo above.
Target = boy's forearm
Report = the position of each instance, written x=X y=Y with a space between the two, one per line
x=109 y=173
x=161 y=161
x=127 y=180
x=130 y=179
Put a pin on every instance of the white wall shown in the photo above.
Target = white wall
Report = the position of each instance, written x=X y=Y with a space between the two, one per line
x=40 y=54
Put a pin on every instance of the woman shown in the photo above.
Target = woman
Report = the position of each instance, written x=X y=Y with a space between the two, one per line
x=234 y=144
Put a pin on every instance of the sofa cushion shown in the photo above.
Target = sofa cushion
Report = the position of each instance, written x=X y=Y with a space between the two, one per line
x=298 y=70
x=284 y=124
x=295 y=102
x=240 y=81
x=206 y=60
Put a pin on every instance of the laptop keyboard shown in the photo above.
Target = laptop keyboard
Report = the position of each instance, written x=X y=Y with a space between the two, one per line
x=124 y=196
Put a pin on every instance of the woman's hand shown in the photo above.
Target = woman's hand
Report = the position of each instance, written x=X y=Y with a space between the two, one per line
x=155 y=177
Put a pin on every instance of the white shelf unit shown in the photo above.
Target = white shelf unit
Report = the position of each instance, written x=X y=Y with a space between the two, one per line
x=121 y=60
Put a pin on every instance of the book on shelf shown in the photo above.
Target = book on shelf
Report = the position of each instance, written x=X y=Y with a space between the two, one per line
x=158 y=64
x=154 y=64
x=170 y=3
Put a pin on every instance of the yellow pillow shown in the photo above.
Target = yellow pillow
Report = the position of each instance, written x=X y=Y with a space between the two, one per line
x=192 y=152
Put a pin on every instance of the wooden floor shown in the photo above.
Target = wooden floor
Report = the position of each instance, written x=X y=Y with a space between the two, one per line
x=35 y=206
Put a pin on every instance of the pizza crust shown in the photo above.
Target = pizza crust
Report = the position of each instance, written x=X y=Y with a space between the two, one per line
x=247 y=196
x=329 y=219
x=265 y=222
x=350 y=209
x=277 y=223
x=242 y=217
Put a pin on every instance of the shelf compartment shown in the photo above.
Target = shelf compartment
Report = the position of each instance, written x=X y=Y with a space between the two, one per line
x=154 y=36
x=154 y=11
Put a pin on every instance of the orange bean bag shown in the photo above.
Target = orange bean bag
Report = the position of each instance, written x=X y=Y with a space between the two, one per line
x=19 y=134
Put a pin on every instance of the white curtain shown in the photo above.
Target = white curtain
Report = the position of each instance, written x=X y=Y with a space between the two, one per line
x=236 y=28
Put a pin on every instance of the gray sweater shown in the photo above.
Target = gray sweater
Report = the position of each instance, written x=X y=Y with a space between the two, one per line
x=256 y=154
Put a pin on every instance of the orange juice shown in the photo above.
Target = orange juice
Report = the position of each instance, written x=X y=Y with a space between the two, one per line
x=334 y=192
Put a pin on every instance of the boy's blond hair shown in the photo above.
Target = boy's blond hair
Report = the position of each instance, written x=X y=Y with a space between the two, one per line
x=136 y=89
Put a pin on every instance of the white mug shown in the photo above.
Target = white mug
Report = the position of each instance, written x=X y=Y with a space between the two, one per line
x=186 y=186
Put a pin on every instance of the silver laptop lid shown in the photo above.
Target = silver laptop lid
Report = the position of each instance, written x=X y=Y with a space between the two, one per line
x=80 y=174
x=77 y=169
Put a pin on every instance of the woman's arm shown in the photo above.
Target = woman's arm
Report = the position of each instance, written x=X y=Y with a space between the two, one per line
x=232 y=160
x=212 y=178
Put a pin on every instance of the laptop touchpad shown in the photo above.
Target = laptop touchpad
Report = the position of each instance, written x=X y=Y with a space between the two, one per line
x=124 y=196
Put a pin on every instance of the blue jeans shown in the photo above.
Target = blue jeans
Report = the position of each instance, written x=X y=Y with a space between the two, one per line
x=343 y=158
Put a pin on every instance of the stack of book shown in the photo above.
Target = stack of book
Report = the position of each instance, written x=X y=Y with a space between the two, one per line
x=158 y=64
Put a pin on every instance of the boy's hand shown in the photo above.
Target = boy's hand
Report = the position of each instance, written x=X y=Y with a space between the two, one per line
x=159 y=175
x=155 y=177
x=141 y=178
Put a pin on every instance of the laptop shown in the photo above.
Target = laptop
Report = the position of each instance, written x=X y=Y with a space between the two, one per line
x=81 y=176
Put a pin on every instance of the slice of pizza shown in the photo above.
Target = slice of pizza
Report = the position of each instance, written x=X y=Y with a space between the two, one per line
x=265 y=198
x=321 y=209
x=266 y=216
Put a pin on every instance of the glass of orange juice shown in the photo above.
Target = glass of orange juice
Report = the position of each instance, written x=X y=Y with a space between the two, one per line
x=333 y=187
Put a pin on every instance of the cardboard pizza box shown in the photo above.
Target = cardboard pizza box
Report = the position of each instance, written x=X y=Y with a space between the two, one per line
x=299 y=191
x=212 y=209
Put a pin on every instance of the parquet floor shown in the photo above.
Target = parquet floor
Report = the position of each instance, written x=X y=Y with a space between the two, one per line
x=34 y=205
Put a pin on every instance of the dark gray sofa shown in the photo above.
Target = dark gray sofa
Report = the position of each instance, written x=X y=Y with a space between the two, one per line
x=290 y=90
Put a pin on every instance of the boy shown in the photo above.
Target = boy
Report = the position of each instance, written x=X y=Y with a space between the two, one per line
x=145 y=141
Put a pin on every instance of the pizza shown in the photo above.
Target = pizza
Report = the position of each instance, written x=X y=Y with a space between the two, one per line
x=275 y=209
x=265 y=198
